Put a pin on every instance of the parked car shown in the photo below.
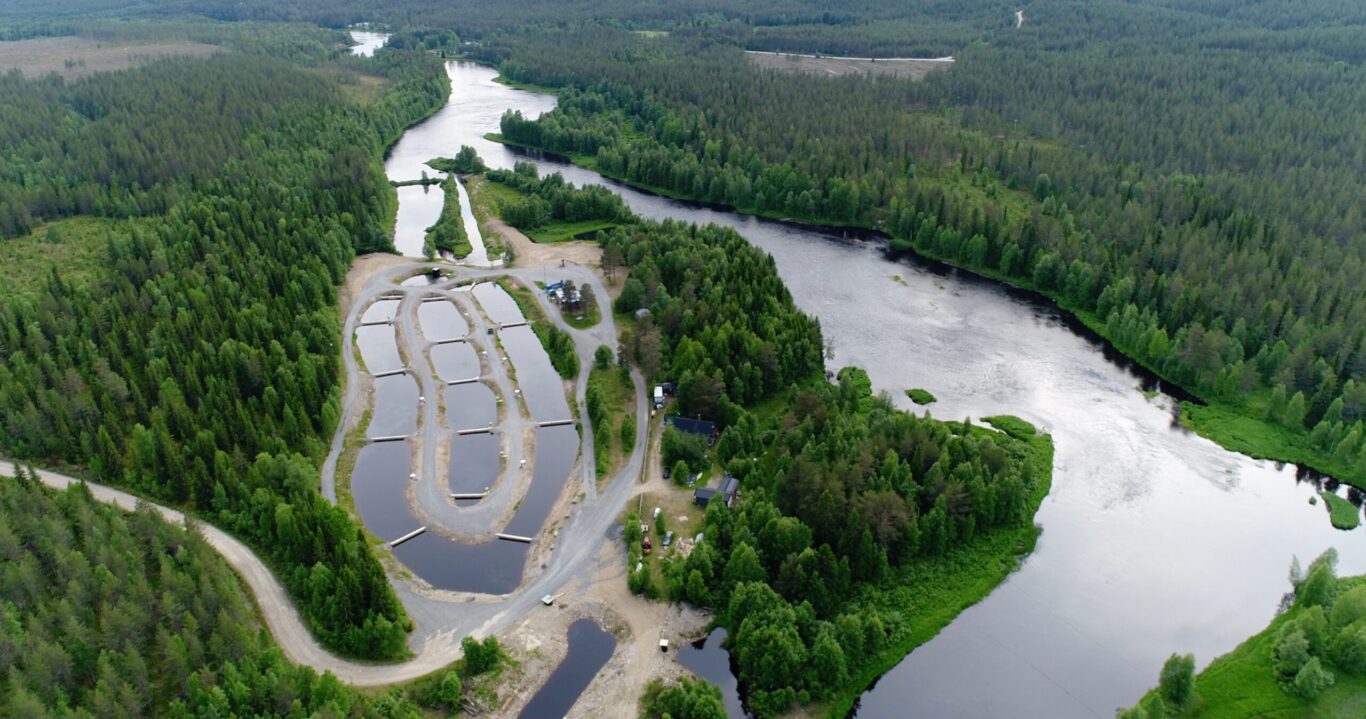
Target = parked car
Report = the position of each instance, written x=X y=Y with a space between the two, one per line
x=668 y=538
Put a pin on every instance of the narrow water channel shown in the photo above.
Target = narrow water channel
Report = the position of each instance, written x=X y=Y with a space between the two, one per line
x=497 y=304
x=1155 y=540
x=541 y=384
x=420 y=205
x=589 y=649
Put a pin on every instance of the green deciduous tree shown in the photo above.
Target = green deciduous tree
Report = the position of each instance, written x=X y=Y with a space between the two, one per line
x=1177 y=680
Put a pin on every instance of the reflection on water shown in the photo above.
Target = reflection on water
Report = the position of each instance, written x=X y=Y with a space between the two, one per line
x=381 y=311
x=475 y=462
x=419 y=207
x=379 y=484
x=367 y=42
x=556 y=449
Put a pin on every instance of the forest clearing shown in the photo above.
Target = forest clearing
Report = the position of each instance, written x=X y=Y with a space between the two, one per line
x=73 y=57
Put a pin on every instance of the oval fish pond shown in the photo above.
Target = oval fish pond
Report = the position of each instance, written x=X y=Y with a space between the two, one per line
x=471 y=405
x=441 y=320
x=379 y=348
x=474 y=463
x=455 y=361
x=395 y=406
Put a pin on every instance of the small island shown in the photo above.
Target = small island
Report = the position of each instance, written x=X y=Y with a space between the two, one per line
x=920 y=396
x=1341 y=512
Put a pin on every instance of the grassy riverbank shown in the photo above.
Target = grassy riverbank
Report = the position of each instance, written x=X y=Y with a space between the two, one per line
x=930 y=592
x=1243 y=682
x=496 y=197
x=1236 y=427
x=541 y=89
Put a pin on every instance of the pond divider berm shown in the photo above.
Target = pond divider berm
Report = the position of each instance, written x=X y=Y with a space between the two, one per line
x=407 y=536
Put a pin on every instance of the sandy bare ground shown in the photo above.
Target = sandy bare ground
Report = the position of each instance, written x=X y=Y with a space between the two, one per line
x=362 y=269
x=531 y=254
x=539 y=641
x=914 y=68
x=73 y=57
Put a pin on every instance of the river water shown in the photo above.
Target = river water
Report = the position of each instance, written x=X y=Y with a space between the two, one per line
x=1154 y=541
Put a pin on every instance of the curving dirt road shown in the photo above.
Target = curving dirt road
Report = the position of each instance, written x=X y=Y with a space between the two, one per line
x=441 y=620
x=285 y=624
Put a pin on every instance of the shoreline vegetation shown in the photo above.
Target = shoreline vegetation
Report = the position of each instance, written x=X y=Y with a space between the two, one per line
x=1310 y=661
x=824 y=582
x=982 y=566
x=1228 y=425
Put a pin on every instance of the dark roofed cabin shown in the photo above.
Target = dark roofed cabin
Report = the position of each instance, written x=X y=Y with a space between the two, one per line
x=729 y=490
x=730 y=487
x=693 y=426
x=702 y=495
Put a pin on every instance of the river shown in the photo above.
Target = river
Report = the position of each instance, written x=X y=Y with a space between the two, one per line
x=1155 y=540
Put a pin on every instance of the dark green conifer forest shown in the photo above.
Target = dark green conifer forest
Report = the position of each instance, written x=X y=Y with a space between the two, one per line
x=1186 y=176
x=856 y=517
x=1209 y=224
x=201 y=366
